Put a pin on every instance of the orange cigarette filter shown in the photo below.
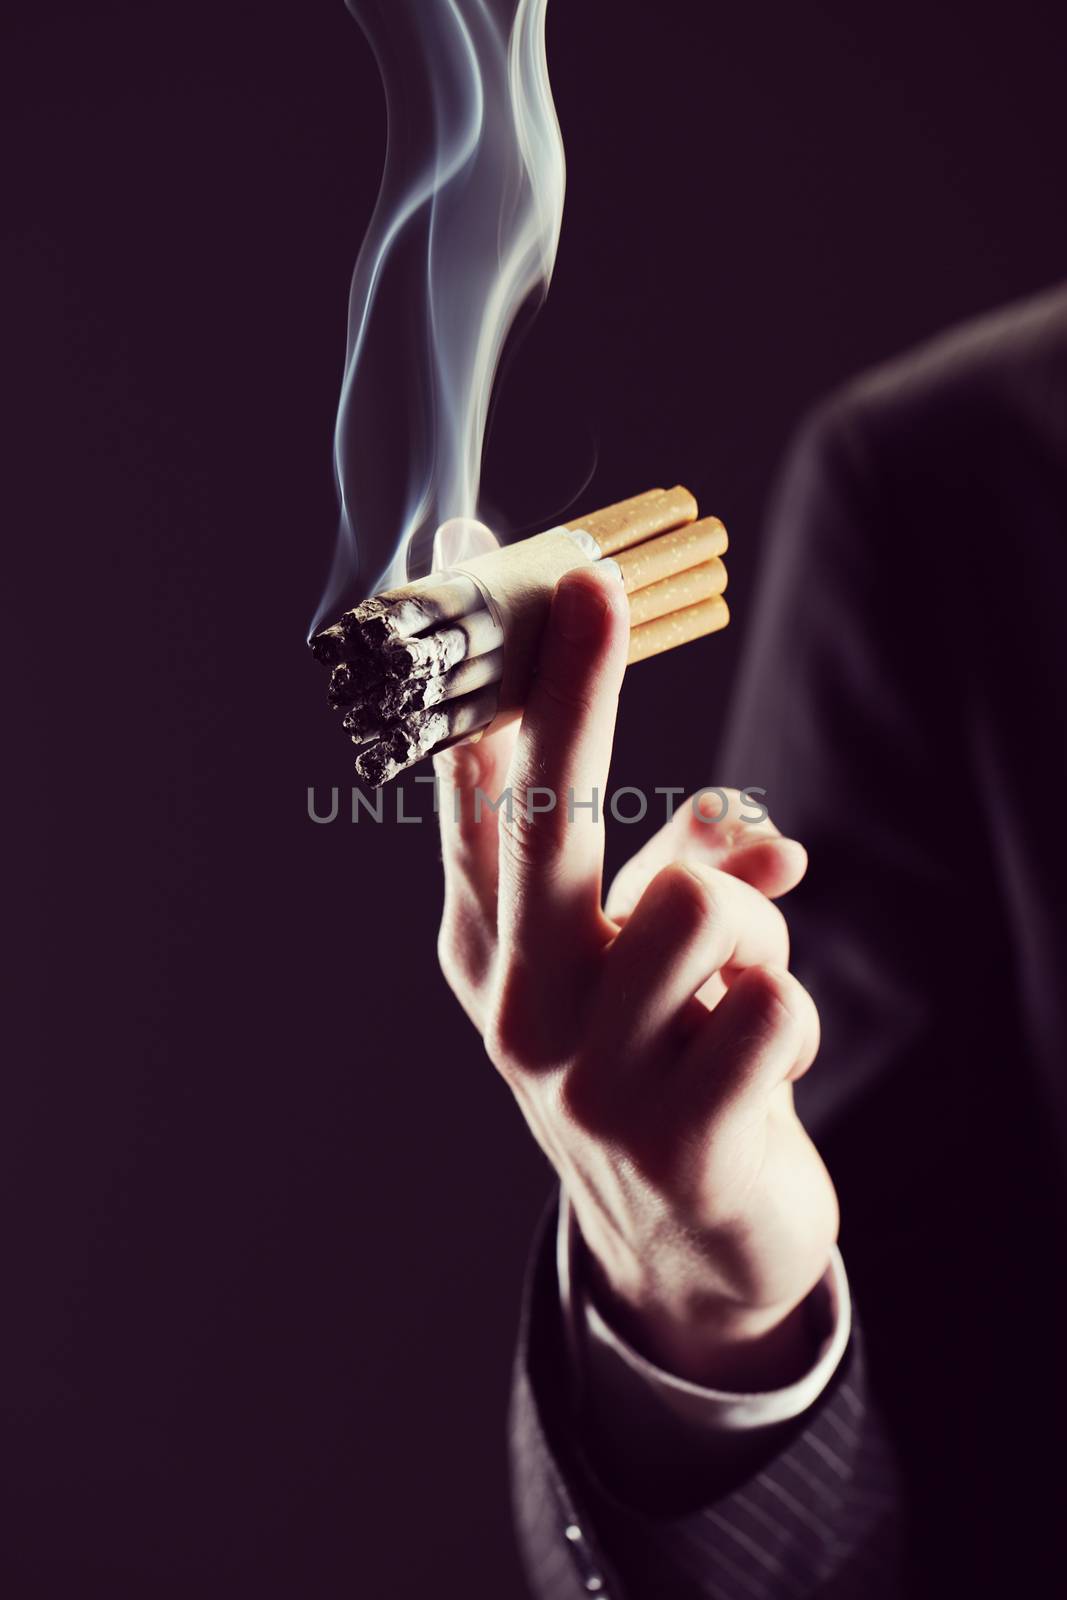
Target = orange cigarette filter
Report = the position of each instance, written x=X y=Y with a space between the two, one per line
x=675 y=593
x=678 y=627
x=630 y=521
x=672 y=552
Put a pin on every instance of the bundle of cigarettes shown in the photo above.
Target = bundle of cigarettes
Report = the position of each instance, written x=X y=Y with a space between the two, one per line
x=451 y=655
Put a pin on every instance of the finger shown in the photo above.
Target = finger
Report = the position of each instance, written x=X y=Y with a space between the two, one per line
x=552 y=838
x=722 y=828
x=691 y=924
x=749 y=1052
x=765 y=1033
x=469 y=777
x=773 y=866
x=729 y=828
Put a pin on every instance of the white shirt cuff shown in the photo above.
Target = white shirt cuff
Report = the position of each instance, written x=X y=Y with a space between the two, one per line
x=600 y=1358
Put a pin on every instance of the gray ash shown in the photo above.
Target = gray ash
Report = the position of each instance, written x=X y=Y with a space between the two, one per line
x=328 y=647
x=386 y=679
x=400 y=746
x=351 y=681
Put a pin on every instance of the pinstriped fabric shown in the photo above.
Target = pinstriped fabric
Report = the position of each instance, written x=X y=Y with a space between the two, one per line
x=819 y=1519
x=558 y=1567
x=563 y=1557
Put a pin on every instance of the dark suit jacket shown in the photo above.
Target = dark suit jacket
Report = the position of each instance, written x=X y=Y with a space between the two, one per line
x=904 y=703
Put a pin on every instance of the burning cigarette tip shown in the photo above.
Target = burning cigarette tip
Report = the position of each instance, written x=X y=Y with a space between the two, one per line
x=443 y=658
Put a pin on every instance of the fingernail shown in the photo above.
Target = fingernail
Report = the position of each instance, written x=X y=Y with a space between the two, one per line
x=606 y=564
x=577 y=611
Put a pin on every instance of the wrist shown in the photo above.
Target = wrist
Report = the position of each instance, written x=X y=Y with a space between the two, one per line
x=696 y=1333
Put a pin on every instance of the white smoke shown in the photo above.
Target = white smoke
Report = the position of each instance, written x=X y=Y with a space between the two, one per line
x=464 y=231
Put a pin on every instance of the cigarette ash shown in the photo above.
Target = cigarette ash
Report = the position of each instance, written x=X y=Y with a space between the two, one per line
x=401 y=746
x=422 y=656
x=403 y=694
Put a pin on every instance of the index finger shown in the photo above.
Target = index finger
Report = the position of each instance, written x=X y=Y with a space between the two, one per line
x=552 y=833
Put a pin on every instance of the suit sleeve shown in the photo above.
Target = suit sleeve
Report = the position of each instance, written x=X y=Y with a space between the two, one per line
x=817 y=1517
x=831 y=718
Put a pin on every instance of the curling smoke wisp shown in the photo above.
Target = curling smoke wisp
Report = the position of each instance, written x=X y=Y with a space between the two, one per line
x=465 y=229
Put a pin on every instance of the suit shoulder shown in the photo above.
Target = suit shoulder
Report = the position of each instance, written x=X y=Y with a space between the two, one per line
x=1009 y=364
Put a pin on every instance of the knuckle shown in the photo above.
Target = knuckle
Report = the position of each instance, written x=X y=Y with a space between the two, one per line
x=529 y=1029
x=567 y=694
x=779 y=1004
x=694 y=901
x=529 y=833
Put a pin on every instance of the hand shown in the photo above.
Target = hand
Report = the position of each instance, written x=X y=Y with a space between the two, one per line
x=652 y=1047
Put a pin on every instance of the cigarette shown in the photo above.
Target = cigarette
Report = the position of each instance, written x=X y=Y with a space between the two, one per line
x=450 y=655
x=429 y=602
x=620 y=526
x=417 y=736
x=427 y=731
x=424 y=603
x=653 y=559
x=679 y=627
x=351 y=681
x=473 y=635
x=675 y=593
x=391 y=699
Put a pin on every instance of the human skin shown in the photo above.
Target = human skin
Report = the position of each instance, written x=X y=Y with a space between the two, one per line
x=651 y=1041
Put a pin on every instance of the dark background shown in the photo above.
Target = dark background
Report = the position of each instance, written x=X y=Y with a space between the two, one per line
x=265 y=1206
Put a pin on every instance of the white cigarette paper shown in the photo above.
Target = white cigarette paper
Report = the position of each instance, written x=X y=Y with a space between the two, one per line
x=516 y=583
